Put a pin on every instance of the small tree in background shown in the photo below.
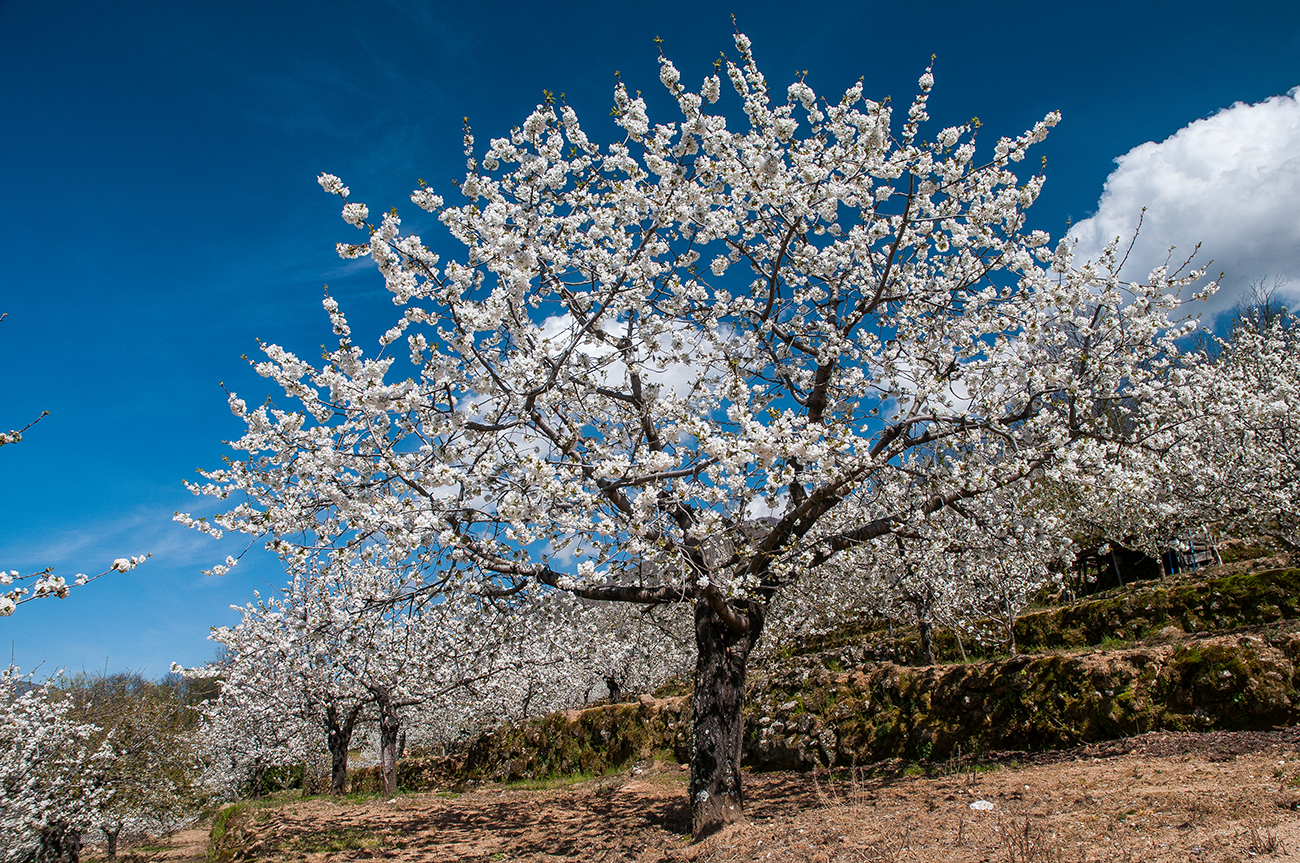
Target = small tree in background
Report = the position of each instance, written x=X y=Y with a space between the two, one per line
x=151 y=761
x=52 y=770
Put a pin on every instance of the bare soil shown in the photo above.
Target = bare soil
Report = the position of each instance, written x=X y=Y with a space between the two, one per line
x=1191 y=798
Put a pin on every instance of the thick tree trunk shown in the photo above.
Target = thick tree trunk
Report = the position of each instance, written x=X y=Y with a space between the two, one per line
x=338 y=765
x=60 y=843
x=716 y=727
x=390 y=724
x=110 y=839
x=338 y=734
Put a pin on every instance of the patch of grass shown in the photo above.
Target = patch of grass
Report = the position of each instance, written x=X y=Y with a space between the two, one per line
x=354 y=796
x=547 y=783
x=663 y=756
x=222 y=824
x=666 y=777
x=337 y=840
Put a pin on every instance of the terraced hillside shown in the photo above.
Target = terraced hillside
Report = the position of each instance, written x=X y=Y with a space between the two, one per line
x=1213 y=651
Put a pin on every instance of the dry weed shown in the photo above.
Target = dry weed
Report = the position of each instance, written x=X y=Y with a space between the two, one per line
x=1261 y=840
x=1028 y=842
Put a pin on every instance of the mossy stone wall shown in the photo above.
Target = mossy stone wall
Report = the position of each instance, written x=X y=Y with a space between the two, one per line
x=846 y=705
x=1030 y=702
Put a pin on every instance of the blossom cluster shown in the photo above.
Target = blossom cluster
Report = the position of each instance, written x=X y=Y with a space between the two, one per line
x=24 y=588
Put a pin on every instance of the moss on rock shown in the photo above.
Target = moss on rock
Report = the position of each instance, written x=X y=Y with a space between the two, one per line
x=849 y=703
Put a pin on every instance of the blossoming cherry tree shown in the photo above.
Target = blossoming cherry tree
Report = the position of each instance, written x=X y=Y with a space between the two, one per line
x=694 y=366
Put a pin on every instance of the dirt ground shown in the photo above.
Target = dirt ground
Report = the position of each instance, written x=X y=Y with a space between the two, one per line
x=1192 y=798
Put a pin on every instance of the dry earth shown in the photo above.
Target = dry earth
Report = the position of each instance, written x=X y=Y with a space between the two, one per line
x=1192 y=798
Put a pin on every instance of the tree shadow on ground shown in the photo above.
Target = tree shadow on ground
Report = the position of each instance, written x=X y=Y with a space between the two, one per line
x=614 y=818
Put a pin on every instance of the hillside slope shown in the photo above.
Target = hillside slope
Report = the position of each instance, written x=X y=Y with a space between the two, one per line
x=1220 y=651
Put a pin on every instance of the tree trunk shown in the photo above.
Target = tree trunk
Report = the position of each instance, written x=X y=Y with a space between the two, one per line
x=716 y=726
x=528 y=697
x=110 y=839
x=390 y=724
x=338 y=736
x=256 y=779
x=925 y=653
x=923 y=606
x=60 y=843
x=615 y=691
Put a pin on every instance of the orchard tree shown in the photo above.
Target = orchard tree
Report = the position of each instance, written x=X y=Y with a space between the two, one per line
x=284 y=656
x=151 y=760
x=695 y=366
x=51 y=772
x=246 y=732
x=1220 y=445
x=411 y=653
x=976 y=562
x=563 y=651
x=1229 y=444
x=350 y=638
x=1001 y=553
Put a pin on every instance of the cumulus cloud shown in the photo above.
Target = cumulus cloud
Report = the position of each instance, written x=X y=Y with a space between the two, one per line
x=1230 y=181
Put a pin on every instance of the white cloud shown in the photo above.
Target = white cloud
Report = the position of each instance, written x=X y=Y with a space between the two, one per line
x=1230 y=182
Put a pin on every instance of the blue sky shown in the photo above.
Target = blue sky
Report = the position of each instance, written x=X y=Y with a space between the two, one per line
x=159 y=162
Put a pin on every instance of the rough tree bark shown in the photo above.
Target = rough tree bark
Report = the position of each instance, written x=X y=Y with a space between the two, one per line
x=111 y=834
x=390 y=725
x=257 y=779
x=716 y=723
x=922 y=604
x=615 y=691
x=338 y=733
x=60 y=843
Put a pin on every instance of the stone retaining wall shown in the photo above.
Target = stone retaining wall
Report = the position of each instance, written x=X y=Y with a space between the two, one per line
x=811 y=715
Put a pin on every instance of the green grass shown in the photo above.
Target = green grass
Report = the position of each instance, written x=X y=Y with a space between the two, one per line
x=350 y=797
x=221 y=824
x=337 y=840
x=546 y=783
